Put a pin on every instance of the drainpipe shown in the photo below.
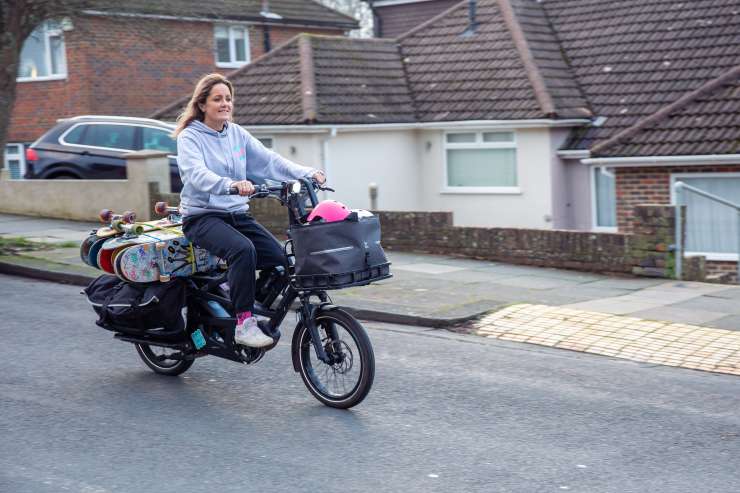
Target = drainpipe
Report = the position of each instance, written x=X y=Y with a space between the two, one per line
x=266 y=45
x=325 y=155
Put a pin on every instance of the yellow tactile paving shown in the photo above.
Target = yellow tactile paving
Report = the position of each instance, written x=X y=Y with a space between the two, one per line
x=663 y=343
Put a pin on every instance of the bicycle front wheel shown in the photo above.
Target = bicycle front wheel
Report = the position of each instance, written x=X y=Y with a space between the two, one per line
x=346 y=380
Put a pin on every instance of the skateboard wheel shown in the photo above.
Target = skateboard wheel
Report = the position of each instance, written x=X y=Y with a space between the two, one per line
x=128 y=217
x=161 y=208
x=106 y=215
x=165 y=278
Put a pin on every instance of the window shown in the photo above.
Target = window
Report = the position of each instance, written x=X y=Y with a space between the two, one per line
x=76 y=135
x=42 y=55
x=266 y=141
x=102 y=135
x=481 y=162
x=15 y=161
x=158 y=140
x=232 y=46
x=604 y=203
x=711 y=228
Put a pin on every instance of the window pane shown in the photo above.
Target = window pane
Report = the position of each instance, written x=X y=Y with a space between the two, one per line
x=158 y=140
x=606 y=202
x=12 y=150
x=222 y=45
x=75 y=136
x=481 y=168
x=33 y=56
x=240 y=51
x=460 y=138
x=498 y=136
x=266 y=141
x=58 y=65
x=711 y=227
x=111 y=136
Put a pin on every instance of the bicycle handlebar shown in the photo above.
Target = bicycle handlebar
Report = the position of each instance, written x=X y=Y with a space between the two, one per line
x=263 y=190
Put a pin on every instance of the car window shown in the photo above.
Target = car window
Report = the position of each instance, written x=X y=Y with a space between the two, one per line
x=158 y=140
x=112 y=136
x=75 y=136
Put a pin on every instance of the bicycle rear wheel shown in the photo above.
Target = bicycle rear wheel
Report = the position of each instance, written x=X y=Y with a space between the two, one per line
x=346 y=381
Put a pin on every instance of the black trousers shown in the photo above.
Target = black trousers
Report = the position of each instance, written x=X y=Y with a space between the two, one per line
x=245 y=245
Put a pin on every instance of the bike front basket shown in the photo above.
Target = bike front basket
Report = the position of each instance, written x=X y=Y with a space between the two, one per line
x=338 y=254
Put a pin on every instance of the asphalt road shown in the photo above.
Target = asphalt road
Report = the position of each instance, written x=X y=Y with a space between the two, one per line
x=80 y=412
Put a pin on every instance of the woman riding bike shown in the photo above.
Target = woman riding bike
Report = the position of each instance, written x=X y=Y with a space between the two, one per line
x=215 y=155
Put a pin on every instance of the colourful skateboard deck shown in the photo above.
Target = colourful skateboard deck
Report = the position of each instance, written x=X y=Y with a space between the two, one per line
x=162 y=260
x=137 y=228
x=148 y=237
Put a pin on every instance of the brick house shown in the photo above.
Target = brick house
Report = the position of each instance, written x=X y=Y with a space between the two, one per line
x=554 y=114
x=132 y=61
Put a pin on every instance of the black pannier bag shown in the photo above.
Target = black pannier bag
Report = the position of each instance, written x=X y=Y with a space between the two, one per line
x=127 y=307
x=339 y=254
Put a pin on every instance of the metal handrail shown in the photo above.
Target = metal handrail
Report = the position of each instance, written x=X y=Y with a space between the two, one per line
x=679 y=187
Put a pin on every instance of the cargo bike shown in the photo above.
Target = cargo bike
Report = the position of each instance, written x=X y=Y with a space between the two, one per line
x=330 y=349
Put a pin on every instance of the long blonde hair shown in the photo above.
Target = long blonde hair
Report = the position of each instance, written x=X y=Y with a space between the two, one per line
x=202 y=89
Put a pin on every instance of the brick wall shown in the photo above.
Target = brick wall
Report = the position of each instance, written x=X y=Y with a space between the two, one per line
x=653 y=185
x=126 y=67
x=646 y=252
x=636 y=186
x=280 y=35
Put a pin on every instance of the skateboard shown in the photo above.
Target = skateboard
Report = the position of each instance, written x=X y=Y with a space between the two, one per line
x=163 y=260
x=123 y=225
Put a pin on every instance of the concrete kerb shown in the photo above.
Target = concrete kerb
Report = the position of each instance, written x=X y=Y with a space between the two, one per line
x=363 y=314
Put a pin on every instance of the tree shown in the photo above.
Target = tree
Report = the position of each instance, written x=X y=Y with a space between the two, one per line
x=357 y=9
x=18 y=19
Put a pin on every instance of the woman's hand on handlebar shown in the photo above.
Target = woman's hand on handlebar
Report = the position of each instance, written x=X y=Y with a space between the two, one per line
x=243 y=188
x=319 y=177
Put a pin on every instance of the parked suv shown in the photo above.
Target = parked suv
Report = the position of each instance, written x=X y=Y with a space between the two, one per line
x=93 y=147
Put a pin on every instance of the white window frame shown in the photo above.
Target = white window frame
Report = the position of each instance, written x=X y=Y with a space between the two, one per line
x=479 y=144
x=21 y=157
x=231 y=28
x=729 y=257
x=48 y=33
x=594 y=206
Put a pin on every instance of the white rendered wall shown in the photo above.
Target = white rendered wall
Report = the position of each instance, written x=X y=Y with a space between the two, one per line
x=531 y=208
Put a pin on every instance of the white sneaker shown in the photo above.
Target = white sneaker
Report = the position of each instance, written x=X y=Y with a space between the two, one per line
x=249 y=334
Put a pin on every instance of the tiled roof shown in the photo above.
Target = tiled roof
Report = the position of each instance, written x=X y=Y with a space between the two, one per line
x=320 y=79
x=359 y=81
x=705 y=121
x=659 y=71
x=634 y=57
x=296 y=12
x=510 y=68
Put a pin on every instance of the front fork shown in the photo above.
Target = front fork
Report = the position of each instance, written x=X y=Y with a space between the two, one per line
x=308 y=313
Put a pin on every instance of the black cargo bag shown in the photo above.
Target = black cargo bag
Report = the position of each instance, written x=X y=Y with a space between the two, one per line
x=127 y=307
x=339 y=254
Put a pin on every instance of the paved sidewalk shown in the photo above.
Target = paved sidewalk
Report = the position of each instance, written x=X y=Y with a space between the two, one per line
x=439 y=291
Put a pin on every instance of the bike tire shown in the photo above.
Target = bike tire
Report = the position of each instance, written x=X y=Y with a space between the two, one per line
x=150 y=359
x=366 y=355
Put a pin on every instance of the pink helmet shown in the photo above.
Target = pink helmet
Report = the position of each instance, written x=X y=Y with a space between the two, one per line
x=330 y=211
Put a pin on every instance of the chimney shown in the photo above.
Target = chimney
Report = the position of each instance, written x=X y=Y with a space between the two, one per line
x=472 y=22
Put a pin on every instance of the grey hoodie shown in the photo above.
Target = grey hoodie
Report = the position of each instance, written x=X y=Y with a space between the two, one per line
x=210 y=161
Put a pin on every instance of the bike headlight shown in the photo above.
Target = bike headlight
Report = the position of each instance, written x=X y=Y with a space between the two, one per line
x=295 y=187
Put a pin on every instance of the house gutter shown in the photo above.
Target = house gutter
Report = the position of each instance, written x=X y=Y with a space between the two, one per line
x=632 y=162
x=250 y=20
x=452 y=125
